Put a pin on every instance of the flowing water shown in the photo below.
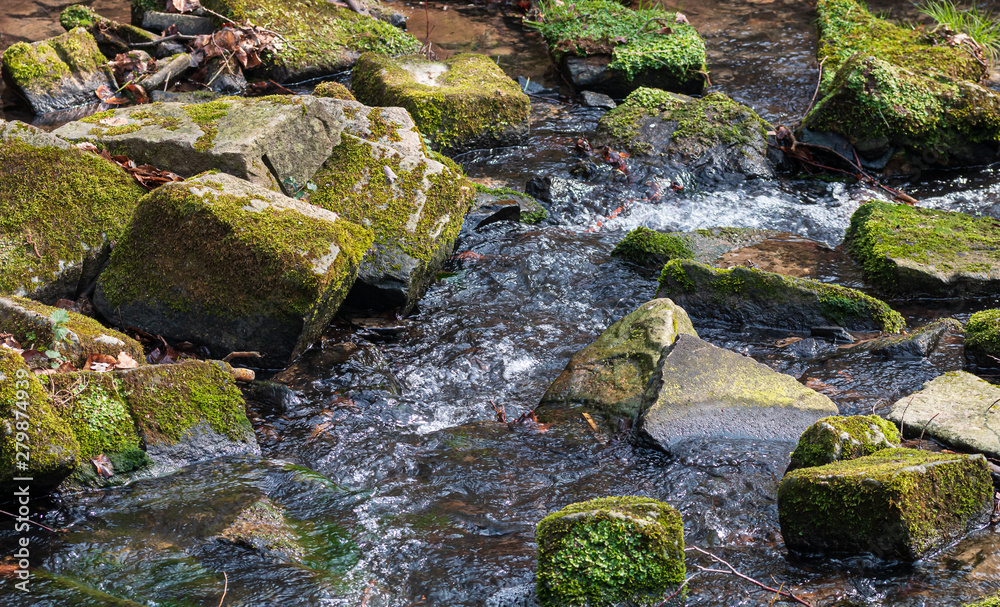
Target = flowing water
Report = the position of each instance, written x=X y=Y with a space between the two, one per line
x=386 y=452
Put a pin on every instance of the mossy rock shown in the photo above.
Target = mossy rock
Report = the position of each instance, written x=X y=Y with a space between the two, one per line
x=991 y=601
x=62 y=208
x=846 y=27
x=501 y=203
x=333 y=90
x=934 y=337
x=34 y=325
x=714 y=133
x=955 y=408
x=701 y=391
x=652 y=249
x=65 y=591
x=262 y=527
x=915 y=251
x=897 y=503
x=465 y=102
x=982 y=333
x=219 y=261
x=744 y=296
x=324 y=38
x=609 y=48
x=381 y=178
x=838 y=438
x=58 y=73
x=892 y=114
x=112 y=37
x=611 y=374
x=610 y=551
x=31 y=427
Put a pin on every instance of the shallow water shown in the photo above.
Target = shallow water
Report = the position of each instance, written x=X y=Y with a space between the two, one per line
x=388 y=455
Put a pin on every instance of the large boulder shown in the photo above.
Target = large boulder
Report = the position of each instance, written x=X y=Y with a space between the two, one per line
x=609 y=48
x=465 y=102
x=956 y=408
x=58 y=73
x=700 y=390
x=916 y=251
x=982 y=334
x=713 y=137
x=610 y=551
x=838 y=438
x=62 y=208
x=897 y=503
x=611 y=374
x=748 y=296
x=223 y=262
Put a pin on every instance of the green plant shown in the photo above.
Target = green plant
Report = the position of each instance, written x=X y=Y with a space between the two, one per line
x=979 y=24
x=60 y=333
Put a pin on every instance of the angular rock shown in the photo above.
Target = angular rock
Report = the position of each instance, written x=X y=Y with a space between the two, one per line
x=112 y=37
x=699 y=390
x=222 y=262
x=610 y=551
x=712 y=137
x=465 y=102
x=652 y=249
x=897 y=503
x=262 y=527
x=380 y=178
x=188 y=25
x=838 y=438
x=62 y=208
x=58 y=73
x=31 y=427
x=598 y=100
x=608 y=48
x=504 y=204
x=611 y=374
x=956 y=408
x=916 y=251
x=745 y=296
x=921 y=343
x=36 y=325
x=277 y=142
x=982 y=334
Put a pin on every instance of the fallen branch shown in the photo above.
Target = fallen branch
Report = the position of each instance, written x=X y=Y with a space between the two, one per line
x=225 y=588
x=159 y=41
x=816 y=92
x=34 y=523
x=232 y=355
x=744 y=577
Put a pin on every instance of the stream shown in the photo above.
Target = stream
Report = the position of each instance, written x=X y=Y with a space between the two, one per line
x=386 y=452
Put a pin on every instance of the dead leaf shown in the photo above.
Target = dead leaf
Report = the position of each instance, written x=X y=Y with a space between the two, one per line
x=182 y=6
x=103 y=466
x=106 y=95
x=100 y=363
x=125 y=361
x=320 y=429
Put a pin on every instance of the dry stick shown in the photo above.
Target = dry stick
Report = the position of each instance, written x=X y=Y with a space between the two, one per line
x=181 y=37
x=991 y=406
x=660 y=19
x=679 y=588
x=816 y=92
x=34 y=523
x=232 y=355
x=922 y=430
x=225 y=588
x=903 y=415
x=745 y=577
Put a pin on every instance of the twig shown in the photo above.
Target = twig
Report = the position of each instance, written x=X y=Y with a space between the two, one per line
x=745 y=577
x=33 y=245
x=181 y=37
x=225 y=588
x=34 y=523
x=903 y=414
x=232 y=355
x=991 y=406
x=922 y=430
x=501 y=412
x=816 y=92
x=679 y=588
x=660 y=19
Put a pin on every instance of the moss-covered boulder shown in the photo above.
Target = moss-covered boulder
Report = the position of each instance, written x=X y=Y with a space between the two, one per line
x=333 y=90
x=915 y=251
x=982 y=334
x=956 y=408
x=222 y=262
x=465 y=102
x=896 y=503
x=652 y=249
x=700 y=390
x=606 y=47
x=838 y=438
x=58 y=73
x=610 y=375
x=991 y=601
x=323 y=38
x=35 y=442
x=61 y=209
x=380 y=177
x=942 y=336
x=502 y=204
x=262 y=527
x=610 y=551
x=746 y=296
x=277 y=142
x=74 y=336
x=112 y=37
x=713 y=136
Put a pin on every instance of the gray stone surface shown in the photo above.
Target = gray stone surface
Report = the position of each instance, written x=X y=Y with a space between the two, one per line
x=189 y=25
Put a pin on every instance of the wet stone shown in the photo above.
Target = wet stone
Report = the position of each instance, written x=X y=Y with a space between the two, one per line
x=838 y=438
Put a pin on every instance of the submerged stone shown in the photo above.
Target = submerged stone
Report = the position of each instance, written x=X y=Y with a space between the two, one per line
x=222 y=262
x=610 y=551
x=58 y=73
x=262 y=527
x=611 y=374
x=921 y=343
x=700 y=390
x=465 y=102
x=897 y=503
x=838 y=438
x=652 y=249
x=62 y=208
x=713 y=137
x=744 y=296
x=916 y=251
x=982 y=333
x=956 y=408
x=609 y=48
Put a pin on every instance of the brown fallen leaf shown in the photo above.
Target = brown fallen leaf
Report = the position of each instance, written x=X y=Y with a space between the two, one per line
x=106 y=95
x=99 y=363
x=125 y=361
x=103 y=466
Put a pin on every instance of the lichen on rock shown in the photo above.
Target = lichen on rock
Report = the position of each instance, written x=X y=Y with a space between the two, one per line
x=838 y=438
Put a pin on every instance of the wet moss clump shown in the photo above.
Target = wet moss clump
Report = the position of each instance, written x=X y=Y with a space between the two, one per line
x=841 y=438
x=609 y=551
x=96 y=409
x=38 y=67
x=982 y=332
x=651 y=248
x=334 y=90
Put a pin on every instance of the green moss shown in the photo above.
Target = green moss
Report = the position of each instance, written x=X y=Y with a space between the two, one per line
x=993 y=601
x=95 y=408
x=206 y=116
x=334 y=90
x=651 y=248
x=66 y=202
x=262 y=526
x=381 y=128
x=882 y=234
x=474 y=96
x=982 y=332
x=610 y=550
x=77 y=15
x=840 y=438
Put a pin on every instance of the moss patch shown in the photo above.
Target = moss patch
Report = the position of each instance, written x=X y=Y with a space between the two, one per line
x=95 y=407
x=610 y=550
x=651 y=248
x=334 y=90
x=840 y=438
x=38 y=67
x=982 y=332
